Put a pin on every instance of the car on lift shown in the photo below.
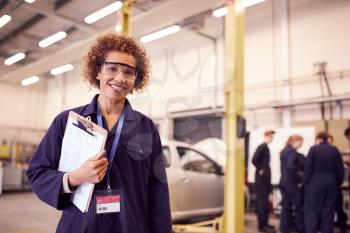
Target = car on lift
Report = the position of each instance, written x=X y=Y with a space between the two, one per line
x=196 y=182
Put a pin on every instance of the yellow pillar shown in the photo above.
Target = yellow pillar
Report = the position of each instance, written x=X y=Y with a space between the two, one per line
x=234 y=179
x=4 y=151
x=125 y=17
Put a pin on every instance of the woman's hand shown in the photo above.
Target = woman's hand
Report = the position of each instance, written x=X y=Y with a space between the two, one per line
x=92 y=171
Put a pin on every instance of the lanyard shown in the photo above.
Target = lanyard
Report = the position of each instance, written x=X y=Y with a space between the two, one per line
x=115 y=142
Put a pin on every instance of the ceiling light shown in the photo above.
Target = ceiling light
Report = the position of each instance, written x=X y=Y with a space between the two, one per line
x=223 y=10
x=15 y=58
x=61 y=69
x=248 y=3
x=161 y=33
x=220 y=12
x=29 y=1
x=29 y=81
x=52 y=39
x=118 y=28
x=4 y=20
x=92 y=18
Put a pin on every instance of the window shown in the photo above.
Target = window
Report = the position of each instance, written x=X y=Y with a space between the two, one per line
x=166 y=156
x=195 y=128
x=192 y=160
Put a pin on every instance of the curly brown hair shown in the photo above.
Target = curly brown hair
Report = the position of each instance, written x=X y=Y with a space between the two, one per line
x=94 y=58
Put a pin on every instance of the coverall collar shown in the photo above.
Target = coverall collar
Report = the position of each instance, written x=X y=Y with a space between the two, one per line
x=92 y=109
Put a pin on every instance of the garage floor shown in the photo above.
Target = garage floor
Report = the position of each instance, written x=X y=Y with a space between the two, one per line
x=22 y=212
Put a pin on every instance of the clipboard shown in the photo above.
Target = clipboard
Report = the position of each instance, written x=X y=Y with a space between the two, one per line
x=82 y=140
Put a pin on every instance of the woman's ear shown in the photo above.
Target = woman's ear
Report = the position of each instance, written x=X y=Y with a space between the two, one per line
x=98 y=76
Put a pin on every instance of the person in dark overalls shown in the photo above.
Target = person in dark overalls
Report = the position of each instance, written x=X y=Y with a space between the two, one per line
x=291 y=185
x=261 y=161
x=347 y=133
x=341 y=215
x=323 y=175
x=130 y=192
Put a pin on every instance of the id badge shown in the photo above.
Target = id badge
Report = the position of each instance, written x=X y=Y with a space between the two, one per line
x=107 y=202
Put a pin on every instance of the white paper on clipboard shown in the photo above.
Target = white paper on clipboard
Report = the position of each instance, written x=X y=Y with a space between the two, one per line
x=82 y=140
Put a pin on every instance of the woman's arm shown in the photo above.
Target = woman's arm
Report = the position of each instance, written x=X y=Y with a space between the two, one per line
x=292 y=162
x=260 y=151
x=49 y=184
x=44 y=178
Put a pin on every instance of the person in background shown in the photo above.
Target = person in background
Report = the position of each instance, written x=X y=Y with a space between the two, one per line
x=323 y=175
x=261 y=161
x=330 y=139
x=300 y=168
x=347 y=134
x=347 y=157
x=341 y=215
x=291 y=185
x=347 y=152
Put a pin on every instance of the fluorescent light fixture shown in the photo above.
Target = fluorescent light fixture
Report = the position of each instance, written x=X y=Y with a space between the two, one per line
x=29 y=1
x=30 y=81
x=92 y=18
x=15 y=58
x=61 y=69
x=160 y=34
x=247 y=3
x=118 y=28
x=4 y=20
x=52 y=39
x=220 y=12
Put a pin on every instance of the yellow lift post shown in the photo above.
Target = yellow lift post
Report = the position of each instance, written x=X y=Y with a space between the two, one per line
x=234 y=73
x=233 y=219
x=124 y=22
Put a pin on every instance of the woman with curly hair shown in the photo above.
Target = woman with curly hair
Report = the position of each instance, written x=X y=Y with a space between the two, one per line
x=132 y=163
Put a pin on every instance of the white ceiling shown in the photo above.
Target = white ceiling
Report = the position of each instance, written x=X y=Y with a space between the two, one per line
x=32 y=22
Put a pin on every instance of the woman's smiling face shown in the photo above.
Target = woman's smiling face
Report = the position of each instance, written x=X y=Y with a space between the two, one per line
x=114 y=76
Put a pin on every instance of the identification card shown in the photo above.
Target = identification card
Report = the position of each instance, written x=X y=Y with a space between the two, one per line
x=107 y=202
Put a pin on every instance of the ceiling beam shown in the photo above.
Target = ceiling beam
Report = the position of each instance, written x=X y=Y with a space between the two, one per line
x=41 y=14
x=60 y=3
x=32 y=21
x=146 y=22
x=64 y=19
x=3 y=3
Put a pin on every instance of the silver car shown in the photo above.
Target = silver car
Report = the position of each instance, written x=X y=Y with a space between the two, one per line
x=196 y=182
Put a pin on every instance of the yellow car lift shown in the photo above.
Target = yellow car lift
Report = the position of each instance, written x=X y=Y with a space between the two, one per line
x=211 y=226
x=234 y=73
x=233 y=219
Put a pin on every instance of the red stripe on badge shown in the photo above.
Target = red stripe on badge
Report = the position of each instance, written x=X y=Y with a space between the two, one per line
x=107 y=199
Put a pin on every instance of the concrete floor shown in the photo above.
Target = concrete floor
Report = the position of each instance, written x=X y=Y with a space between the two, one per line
x=251 y=224
x=23 y=212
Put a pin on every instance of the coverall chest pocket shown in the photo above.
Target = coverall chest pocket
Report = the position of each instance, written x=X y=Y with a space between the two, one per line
x=138 y=150
x=139 y=157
